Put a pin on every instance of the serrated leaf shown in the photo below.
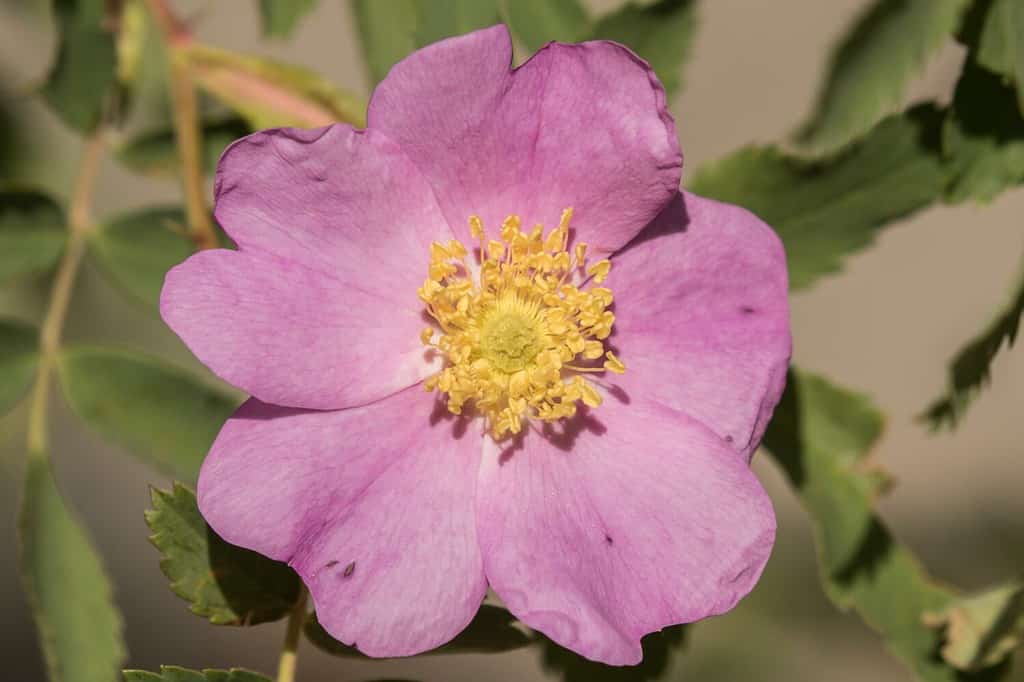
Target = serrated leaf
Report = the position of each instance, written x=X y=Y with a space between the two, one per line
x=387 y=31
x=137 y=249
x=492 y=630
x=270 y=94
x=661 y=33
x=226 y=584
x=970 y=370
x=983 y=137
x=982 y=629
x=80 y=81
x=280 y=17
x=68 y=590
x=159 y=413
x=439 y=19
x=994 y=33
x=172 y=673
x=32 y=233
x=872 y=66
x=19 y=357
x=155 y=151
x=821 y=436
x=537 y=22
x=827 y=209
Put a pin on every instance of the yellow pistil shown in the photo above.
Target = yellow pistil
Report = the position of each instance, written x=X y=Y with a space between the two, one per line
x=518 y=339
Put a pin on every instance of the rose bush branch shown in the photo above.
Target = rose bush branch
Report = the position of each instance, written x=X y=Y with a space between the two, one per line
x=79 y=224
x=187 y=126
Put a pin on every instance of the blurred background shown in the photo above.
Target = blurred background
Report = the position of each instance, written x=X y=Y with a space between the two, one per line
x=887 y=325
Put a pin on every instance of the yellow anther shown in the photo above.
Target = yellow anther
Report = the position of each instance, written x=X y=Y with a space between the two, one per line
x=512 y=340
x=476 y=227
x=495 y=250
x=613 y=364
x=581 y=253
x=599 y=270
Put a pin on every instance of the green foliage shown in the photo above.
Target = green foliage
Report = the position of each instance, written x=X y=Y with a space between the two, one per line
x=226 y=584
x=269 y=94
x=981 y=629
x=68 y=590
x=822 y=437
x=172 y=673
x=661 y=33
x=536 y=22
x=154 y=152
x=439 y=19
x=983 y=136
x=138 y=248
x=387 y=30
x=157 y=412
x=825 y=210
x=32 y=233
x=872 y=66
x=19 y=357
x=660 y=648
x=492 y=630
x=280 y=17
x=970 y=369
x=994 y=33
x=81 y=79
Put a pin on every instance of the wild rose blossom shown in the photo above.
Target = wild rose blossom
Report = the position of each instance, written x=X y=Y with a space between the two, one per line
x=595 y=387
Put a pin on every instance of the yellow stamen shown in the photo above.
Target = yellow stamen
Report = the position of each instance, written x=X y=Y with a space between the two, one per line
x=509 y=339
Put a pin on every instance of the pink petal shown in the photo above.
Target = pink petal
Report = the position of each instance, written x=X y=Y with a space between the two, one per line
x=373 y=506
x=635 y=519
x=581 y=125
x=319 y=308
x=702 y=317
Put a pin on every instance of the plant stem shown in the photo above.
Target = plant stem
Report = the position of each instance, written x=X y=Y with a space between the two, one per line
x=186 y=125
x=79 y=224
x=289 y=652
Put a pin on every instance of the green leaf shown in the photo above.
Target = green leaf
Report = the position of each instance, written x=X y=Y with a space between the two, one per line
x=659 y=650
x=970 y=370
x=269 y=94
x=159 y=413
x=138 y=248
x=870 y=69
x=537 y=22
x=84 y=72
x=661 y=33
x=822 y=437
x=983 y=137
x=825 y=210
x=155 y=151
x=995 y=36
x=280 y=17
x=439 y=19
x=492 y=630
x=32 y=233
x=68 y=591
x=982 y=629
x=226 y=584
x=19 y=357
x=172 y=673
x=387 y=30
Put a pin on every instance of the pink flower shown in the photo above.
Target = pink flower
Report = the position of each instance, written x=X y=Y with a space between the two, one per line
x=599 y=505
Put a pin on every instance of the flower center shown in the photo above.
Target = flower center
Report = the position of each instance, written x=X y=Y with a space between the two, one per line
x=518 y=340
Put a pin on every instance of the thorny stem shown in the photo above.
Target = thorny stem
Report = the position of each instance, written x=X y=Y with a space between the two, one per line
x=79 y=224
x=186 y=125
x=286 y=664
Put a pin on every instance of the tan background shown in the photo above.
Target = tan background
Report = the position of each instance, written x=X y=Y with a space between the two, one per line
x=887 y=326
